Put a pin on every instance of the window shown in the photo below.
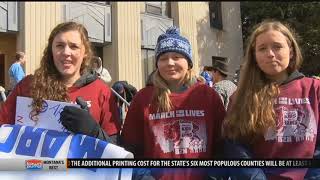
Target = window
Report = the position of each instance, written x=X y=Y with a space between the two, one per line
x=161 y=8
x=215 y=14
x=100 y=2
x=148 y=62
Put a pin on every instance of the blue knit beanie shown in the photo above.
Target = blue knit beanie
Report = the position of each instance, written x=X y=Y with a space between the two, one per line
x=172 y=41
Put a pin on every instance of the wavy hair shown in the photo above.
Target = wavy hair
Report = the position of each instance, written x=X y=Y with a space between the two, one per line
x=252 y=112
x=47 y=81
x=161 y=95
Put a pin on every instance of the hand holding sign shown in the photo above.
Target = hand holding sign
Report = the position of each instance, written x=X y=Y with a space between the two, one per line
x=79 y=120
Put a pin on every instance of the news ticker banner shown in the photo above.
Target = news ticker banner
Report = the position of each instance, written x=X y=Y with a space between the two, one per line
x=193 y=163
x=64 y=164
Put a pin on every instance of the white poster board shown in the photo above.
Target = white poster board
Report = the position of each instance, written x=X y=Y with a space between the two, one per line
x=62 y=145
x=49 y=117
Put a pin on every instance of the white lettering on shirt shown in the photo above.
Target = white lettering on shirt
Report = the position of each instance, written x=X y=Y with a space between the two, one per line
x=177 y=113
x=291 y=101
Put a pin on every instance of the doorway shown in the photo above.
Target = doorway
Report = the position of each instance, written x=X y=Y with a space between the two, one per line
x=98 y=50
x=2 y=70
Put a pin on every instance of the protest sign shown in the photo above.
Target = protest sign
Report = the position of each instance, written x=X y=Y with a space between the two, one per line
x=48 y=118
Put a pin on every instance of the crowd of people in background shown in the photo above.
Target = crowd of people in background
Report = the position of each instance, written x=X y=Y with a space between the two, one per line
x=272 y=111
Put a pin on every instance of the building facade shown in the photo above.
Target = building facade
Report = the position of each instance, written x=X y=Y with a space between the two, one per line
x=123 y=34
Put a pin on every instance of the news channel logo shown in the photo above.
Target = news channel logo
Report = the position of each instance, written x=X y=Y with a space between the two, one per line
x=34 y=164
x=46 y=164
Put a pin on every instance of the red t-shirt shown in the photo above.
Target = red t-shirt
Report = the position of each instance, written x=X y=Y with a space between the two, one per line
x=100 y=100
x=297 y=110
x=190 y=130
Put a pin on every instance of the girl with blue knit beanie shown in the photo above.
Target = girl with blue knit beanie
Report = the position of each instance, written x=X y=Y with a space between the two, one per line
x=176 y=117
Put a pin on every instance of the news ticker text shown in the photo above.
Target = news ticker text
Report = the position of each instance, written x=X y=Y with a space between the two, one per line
x=64 y=164
x=192 y=163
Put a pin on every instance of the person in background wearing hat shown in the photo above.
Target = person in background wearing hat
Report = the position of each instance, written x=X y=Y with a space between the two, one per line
x=102 y=72
x=177 y=117
x=224 y=87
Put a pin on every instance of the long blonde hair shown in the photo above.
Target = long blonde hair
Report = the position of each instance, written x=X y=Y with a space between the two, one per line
x=47 y=81
x=161 y=95
x=252 y=111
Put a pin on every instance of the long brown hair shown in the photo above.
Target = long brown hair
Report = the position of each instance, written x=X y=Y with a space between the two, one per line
x=47 y=81
x=252 y=112
x=161 y=95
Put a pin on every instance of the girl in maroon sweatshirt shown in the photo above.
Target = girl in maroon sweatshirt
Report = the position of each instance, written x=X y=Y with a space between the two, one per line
x=275 y=109
x=175 y=117
x=64 y=75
